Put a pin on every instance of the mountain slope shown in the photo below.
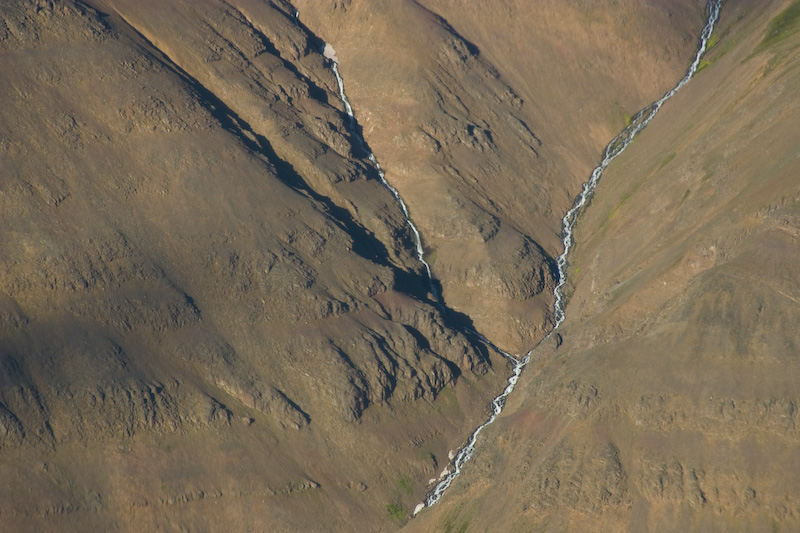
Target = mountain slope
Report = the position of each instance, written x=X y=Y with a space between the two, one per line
x=210 y=311
x=487 y=117
x=670 y=405
x=203 y=289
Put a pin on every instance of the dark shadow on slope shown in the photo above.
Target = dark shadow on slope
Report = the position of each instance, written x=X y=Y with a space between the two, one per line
x=472 y=48
x=360 y=148
x=549 y=262
x=314 y=42
x=463 y=323
x=425 y=345
x=305 y=416
x=365 y=243
x=414 y=283
x=314 y=90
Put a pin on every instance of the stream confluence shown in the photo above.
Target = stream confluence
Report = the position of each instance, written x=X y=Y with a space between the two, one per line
x=612 y=151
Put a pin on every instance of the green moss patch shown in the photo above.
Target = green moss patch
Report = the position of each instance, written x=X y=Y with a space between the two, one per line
x=782 y=26
x=406 y=485
x=396 y=513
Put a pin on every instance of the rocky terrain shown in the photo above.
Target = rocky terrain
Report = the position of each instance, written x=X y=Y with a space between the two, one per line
x=671 y=402
x=487 y=119
x=212 y=315
x=210 y=312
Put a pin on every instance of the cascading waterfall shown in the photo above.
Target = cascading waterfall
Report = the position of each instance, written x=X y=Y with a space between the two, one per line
x=363 y=145
x=465 y=453
x=614 y=149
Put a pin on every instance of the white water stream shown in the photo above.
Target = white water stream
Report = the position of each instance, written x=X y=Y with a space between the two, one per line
x=331 y=54
x=614 y=148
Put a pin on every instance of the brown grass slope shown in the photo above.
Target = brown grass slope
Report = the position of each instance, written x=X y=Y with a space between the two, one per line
x=487 y=116
x=209 y=314
x=672 y=404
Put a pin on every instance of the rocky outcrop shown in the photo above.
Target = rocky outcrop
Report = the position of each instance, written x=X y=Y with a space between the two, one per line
x=474 y=116
x=669 y=401
x=202 y=276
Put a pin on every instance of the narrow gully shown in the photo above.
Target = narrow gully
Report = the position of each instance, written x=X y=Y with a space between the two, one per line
x=612 y=151
x=328 y=52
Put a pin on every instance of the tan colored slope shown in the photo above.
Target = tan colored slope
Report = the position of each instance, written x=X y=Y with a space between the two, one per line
x=672 y=403
x=487 y=116
x=209 y=314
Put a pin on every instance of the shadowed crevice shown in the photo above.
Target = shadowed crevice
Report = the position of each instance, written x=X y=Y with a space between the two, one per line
x=365 y=244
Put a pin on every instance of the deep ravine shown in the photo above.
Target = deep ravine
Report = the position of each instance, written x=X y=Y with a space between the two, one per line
x=614 y=149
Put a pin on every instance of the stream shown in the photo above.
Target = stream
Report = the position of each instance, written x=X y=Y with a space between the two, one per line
x=329 y=53
x=614 y=149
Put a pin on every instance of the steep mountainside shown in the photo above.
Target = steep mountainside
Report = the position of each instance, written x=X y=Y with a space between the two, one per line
x=671 y=404
x=487 y=117
x=202 y=287
x=211 y=315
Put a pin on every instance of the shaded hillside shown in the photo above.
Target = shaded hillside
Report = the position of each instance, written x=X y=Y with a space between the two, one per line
x=210 y=311
x=671 y=404
x=203 y=287
x=487 y=116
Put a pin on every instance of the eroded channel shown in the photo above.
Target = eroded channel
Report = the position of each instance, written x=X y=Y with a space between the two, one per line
x=612 y=151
